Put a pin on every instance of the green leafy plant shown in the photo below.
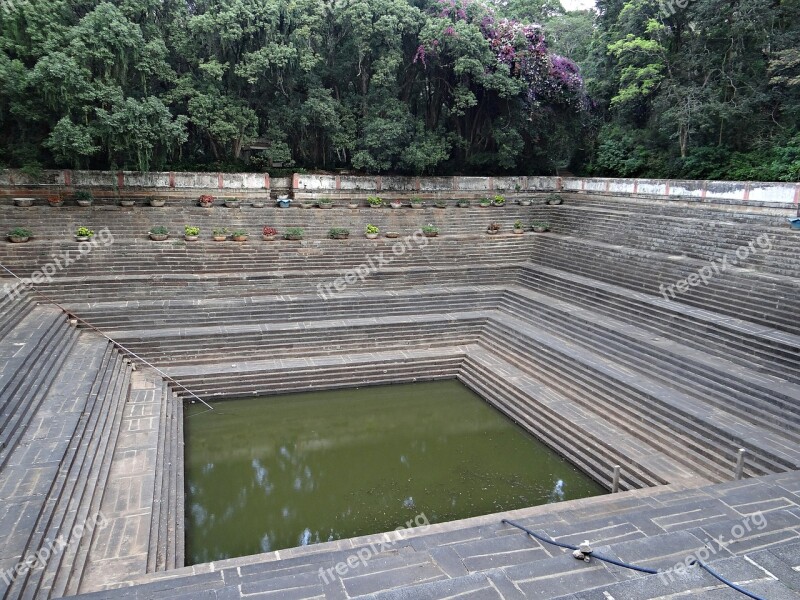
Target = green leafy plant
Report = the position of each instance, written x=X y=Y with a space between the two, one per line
x=499 y=200
x=372 y=229
x=541 y=225
x=84 y=196
x=430 y=229
x=84 y=232
x=159 y=230
x=21 y=232
x=416 y=200
x=554 y=198
x=191 y=231
x=517 y=224
x=239 y=233
x=294 y=232
x=375 y=201
x=337 y=232
x=220 y=231
x=486 y=202
x=325 y=201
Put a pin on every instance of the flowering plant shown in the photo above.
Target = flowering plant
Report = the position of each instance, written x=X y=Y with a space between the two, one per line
x=269 y=231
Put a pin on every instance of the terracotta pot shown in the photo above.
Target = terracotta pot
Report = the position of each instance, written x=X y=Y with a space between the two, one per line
x=220 y=238
x=294 y=238
x=239 y=238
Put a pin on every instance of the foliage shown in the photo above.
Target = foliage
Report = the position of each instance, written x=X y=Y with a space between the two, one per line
x=84 y=196
x=22 y=232
x=269 y=230
x=191 y=230
x=159 y=230
x=335 y=232
x=239 y=233
x=415 y=86
x=372 y=229
x=294 y=232
x=499 y=200
x=430 y=229
x=84 y=232
x=517 y=224
x=375 y=201
x=220 y=231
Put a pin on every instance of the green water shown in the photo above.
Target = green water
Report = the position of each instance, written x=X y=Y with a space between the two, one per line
x=264 y=474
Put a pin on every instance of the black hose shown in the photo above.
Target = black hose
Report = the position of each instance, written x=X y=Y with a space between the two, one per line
x=697 y=561
x=730 y=584
x=607 y=559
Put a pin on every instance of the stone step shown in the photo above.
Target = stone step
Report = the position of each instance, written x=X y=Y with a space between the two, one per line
x=754 y=346
x=704 y=434
x=773 y=402
x=40 y=468
x=768 y=300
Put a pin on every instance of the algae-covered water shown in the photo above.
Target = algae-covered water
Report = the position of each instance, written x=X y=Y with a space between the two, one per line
x=264 y=474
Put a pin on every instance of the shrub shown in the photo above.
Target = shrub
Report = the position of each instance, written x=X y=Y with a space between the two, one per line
x=159 y=230
x=499 y=199
x=220 y=231
x=294 y=232
x=22 y=232
x=239 y=233
x=371 y=229
x=83 y=232
x=374 y=201
x=84 y=196
x=335 y=232
x=191 y=231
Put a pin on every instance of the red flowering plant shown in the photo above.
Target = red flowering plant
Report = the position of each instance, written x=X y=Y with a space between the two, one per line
x=270 y=231
x=206 y=200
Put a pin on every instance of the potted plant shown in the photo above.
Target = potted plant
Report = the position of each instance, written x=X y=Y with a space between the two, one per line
x=232 y=202
x=159 y=233
x=269 y=233
x=156 y=202
x=19 y=235
x=220 y=234
x=23 y=202
x=338 y=233
x=493 y=229
x=441 y=204
x=294 y=233
x=374 y=202
x=352 y=205
x=555 y=199
x=417 y=202
x=392 y=234
x=240 y=235
x=396 y=204
x=463 y=203
x=540 y=226
x=55 y=200
x=499 y=200
x=430 y=230
x=206 y=201
x=485 y=202
x=326 y=203
x=371 y=232
x=518 y=228
x=84 y=198
x=83 y=234
x=306 y=203
x=283 y=201
x=191 y=233
x=525 y=202
x=127 y=202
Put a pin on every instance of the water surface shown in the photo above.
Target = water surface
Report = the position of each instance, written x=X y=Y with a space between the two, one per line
x=264 y=474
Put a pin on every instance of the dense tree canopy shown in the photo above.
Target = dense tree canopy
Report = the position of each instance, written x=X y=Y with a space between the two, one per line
x=412 y=86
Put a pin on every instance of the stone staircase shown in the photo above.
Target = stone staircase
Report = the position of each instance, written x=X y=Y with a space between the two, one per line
x=567 y=333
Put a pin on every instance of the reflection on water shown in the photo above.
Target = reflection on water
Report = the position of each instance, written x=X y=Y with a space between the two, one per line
x=271 y=473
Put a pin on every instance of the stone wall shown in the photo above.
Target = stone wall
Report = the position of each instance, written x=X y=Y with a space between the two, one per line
x=15 y=183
